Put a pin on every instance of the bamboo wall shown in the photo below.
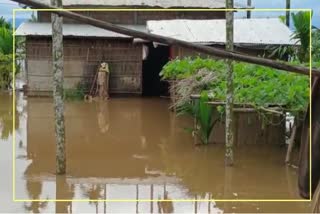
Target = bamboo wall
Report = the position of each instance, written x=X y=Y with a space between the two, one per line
x=82 y=57
x=138 y=17
x=250 y=128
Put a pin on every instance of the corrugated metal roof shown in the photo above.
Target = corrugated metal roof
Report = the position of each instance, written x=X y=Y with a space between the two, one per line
x=149 y=3
x=74 y=30
x=260 y=31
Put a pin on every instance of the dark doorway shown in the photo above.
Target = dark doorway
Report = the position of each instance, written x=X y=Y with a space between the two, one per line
x=152 y=65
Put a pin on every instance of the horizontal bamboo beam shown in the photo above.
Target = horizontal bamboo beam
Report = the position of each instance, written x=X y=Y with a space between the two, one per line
x=170 y=41
x=197 y=96
x=253 y=110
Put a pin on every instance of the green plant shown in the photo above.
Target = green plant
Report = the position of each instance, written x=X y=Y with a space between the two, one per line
x=282 y=19
x=203 y=113
x=281 y=51
x=301 y=22
x=316 y=45
x=77 y=93
x=6 y=40
x=256 y=85
x=4 y=23
x=182 y=68
x=6 y=50
x=5 y=70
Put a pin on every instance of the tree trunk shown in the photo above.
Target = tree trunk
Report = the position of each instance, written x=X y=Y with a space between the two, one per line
x=288 y=13
x=249 y=12
x=229 y=100
x=57 y=65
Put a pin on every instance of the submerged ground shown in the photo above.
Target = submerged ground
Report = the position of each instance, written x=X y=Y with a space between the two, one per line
x=132 y=148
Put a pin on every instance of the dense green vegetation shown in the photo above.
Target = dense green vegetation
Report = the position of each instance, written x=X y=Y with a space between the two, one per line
x=6 y=40
x=6 y=50
x=257 y=85
x=6 y=53
x=316 y=47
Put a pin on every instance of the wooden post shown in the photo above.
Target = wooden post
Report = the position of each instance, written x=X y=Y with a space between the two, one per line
x=229 y=97
x=248 y=11
x=57 y=68
x=291 y=144
x=288 y=12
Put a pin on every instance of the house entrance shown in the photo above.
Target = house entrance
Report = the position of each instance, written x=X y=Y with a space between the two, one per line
x=151 y=83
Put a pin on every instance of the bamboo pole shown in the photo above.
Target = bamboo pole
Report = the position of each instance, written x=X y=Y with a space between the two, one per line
x=229 y=93
x=57 y=66
x=170 y=41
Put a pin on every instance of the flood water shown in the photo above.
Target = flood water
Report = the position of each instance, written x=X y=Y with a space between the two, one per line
x=132 y=148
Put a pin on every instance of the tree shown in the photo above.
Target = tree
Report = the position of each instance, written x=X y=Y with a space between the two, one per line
x=4 y=23
x=229 y=97
x=316 y=45
x=6 y=38
x=6 y=57
x=33 y=17
x=301 y=22
x=57 y=67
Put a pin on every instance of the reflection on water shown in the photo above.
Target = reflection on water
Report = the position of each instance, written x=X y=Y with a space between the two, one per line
x=6 y=116
x=134 y=149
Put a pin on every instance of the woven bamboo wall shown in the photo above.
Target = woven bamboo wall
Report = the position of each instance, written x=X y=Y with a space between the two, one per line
x=82 y=57
x=251 y=129
x=139 y=17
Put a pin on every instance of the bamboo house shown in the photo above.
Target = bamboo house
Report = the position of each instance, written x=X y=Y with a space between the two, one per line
x=134 y=63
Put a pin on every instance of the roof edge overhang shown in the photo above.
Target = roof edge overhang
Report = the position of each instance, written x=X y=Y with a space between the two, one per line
x=240 y=45
x=79 y=37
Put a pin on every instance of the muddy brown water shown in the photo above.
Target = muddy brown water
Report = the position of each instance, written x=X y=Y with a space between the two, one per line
x=132 y=148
